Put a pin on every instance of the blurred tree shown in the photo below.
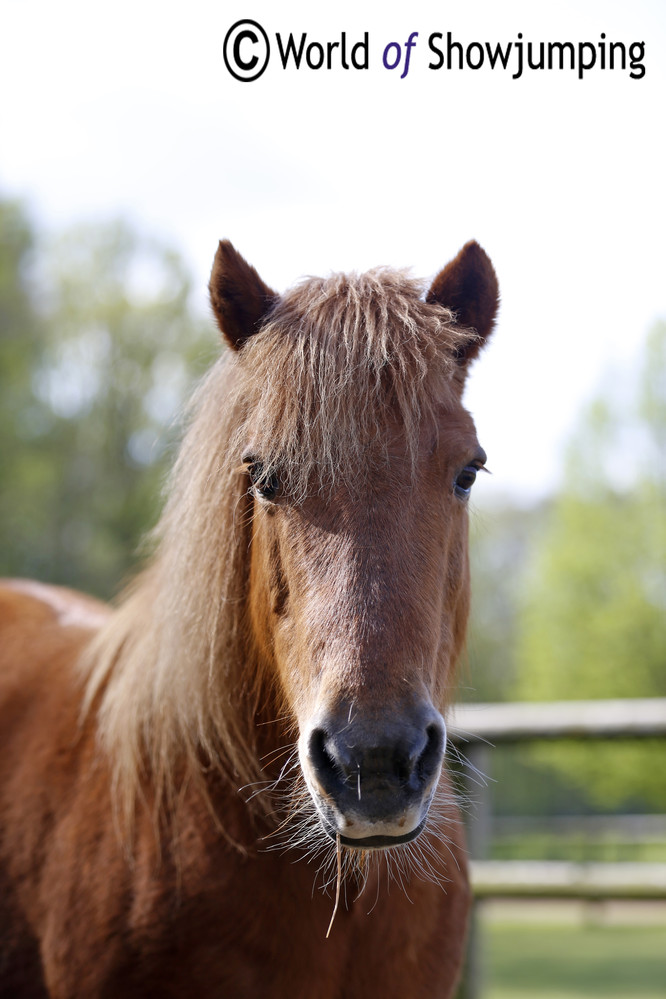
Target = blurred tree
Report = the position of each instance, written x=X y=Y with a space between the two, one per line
x=20 y=326
x=500 y=542
x=593 y=623
x=96 y=372
x=23 y=420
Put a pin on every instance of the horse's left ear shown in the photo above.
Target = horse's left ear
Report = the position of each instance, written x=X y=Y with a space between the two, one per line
x=239 y=297
x=468 y=286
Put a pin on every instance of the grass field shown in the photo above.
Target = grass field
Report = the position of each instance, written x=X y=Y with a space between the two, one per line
x=573 y=958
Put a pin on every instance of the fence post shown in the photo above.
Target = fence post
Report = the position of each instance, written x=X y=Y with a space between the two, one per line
x=479 y=831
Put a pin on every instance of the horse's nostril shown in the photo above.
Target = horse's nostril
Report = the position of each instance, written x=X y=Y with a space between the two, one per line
x=323 y=762
x=317 y=748
x=430 y=759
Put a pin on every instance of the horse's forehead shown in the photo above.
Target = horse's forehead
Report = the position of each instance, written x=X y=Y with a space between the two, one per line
x=446 y=428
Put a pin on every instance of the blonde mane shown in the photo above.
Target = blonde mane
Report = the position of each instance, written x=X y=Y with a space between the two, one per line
x=173 y=676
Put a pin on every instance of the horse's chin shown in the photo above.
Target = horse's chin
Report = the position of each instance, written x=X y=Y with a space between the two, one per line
x=376 y=842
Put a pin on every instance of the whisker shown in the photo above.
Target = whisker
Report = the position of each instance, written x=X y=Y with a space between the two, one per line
x=348 y=872
x=274 y=721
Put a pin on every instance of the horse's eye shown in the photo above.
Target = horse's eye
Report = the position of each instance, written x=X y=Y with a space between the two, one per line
x=266 y=486
x=465 y=481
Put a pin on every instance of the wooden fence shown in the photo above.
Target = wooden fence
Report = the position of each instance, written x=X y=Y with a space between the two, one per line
x=476 y=729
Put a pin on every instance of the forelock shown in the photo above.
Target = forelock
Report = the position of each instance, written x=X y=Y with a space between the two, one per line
x=339 y=360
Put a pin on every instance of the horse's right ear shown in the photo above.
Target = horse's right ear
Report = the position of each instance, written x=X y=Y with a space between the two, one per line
x=239 y=297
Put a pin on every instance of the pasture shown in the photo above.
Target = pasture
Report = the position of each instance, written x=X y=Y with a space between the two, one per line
x=573 y=951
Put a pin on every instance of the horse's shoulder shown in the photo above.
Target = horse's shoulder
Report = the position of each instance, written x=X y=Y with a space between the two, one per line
x=26 y=603
x=42 y=632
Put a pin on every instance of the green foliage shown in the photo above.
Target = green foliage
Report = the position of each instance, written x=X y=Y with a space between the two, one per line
x=593 y=626
x=500 y=542
x=593 y=623
x=98 y=350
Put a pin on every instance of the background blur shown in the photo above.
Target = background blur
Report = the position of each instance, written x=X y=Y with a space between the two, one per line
x=127 y=151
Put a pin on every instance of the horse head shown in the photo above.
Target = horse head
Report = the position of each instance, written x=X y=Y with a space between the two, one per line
x=359 y=458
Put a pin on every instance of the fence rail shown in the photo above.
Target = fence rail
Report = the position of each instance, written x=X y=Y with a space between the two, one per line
x=637 y=718
x=563 y=879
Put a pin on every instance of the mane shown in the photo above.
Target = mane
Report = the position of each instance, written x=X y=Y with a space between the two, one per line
x=173 y=677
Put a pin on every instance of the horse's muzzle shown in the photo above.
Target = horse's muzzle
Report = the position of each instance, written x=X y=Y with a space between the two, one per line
x=373 y=782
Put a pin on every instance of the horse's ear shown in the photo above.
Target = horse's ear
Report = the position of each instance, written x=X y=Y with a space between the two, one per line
x=239 y=297
x=468 y=286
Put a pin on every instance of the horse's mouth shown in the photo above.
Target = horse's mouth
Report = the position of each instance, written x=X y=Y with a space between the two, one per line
x=374 y=842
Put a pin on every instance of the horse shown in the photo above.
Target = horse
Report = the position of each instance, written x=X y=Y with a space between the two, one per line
x=232 y=783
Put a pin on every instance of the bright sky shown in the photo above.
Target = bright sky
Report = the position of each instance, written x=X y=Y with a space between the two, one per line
x=128 y=108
